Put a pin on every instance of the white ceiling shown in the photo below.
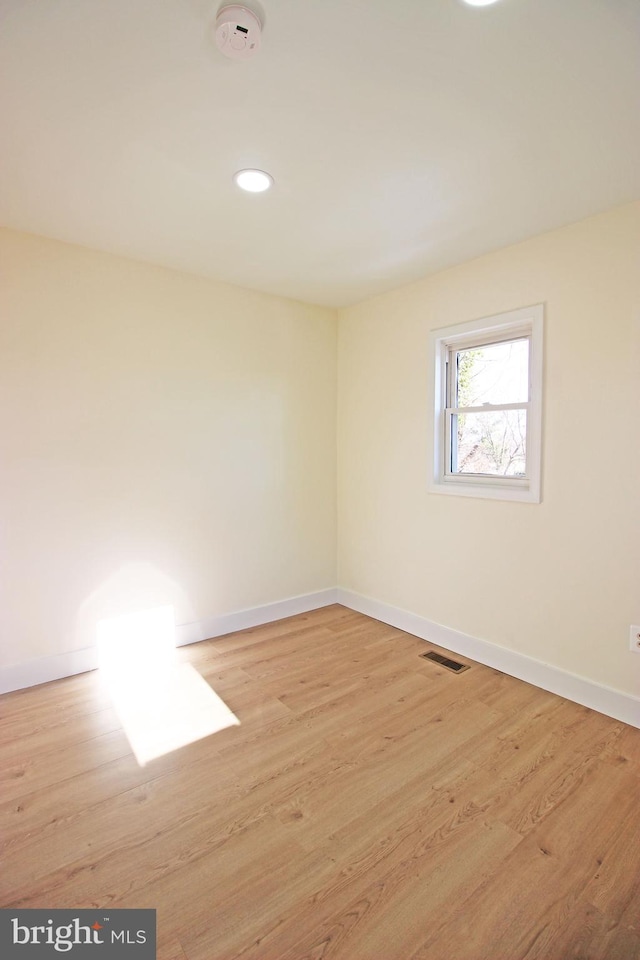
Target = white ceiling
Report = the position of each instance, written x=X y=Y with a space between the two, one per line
x=403 y=135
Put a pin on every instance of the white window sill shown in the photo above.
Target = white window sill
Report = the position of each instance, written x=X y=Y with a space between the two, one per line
x=485 y=491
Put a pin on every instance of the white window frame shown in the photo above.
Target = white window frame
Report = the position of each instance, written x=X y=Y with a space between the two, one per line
x=516 y=324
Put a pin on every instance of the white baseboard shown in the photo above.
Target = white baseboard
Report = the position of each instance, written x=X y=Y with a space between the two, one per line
x=254 y=617
x=613 y=703
x=33 y=672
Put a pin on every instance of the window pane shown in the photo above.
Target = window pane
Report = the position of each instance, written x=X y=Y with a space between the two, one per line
x=493 y=373
x=492 y=443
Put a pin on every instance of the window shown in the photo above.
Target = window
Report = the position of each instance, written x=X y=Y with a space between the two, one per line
x=487 y=386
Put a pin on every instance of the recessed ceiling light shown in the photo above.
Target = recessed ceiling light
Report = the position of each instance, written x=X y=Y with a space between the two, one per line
x=254 y=181
x=480 y=3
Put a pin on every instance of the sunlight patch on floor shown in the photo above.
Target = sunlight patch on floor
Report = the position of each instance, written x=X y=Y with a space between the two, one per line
x=162 y=704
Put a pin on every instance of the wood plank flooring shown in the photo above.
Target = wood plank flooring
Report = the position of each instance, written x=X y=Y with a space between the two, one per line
x=370 y=806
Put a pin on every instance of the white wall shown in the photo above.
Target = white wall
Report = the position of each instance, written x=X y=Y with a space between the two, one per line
x=558 y=581
x=164 y=439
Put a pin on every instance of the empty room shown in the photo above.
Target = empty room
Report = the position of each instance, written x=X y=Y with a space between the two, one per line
x=320 y=479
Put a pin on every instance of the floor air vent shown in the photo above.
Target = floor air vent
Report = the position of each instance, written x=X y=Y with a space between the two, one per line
x=445 y=661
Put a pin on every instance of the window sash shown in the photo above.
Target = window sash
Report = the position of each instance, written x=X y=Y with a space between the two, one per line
x=470 y=343
x=524 y=322
x=449 y=447
x=450 y=382
x=488 y=408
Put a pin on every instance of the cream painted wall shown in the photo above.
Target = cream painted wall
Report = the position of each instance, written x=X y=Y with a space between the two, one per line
x=164 y=439
x=560 y=580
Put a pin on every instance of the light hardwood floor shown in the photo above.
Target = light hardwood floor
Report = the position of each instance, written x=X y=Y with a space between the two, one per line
x=370 y=805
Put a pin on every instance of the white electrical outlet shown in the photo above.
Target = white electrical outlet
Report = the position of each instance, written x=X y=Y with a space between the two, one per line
x=634 y=637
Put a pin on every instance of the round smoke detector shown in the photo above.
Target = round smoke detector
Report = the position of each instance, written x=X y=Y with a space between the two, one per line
x=238 y=32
